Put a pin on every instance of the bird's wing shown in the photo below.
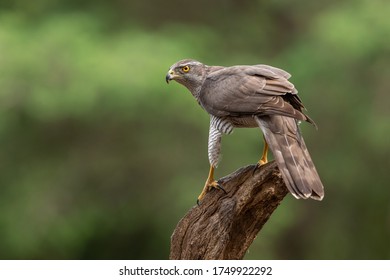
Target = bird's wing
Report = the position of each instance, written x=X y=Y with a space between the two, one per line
x=250 y=90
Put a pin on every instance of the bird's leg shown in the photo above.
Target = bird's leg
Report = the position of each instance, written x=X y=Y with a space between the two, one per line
x=214 y=147
x=210 y=183
x=264 y=157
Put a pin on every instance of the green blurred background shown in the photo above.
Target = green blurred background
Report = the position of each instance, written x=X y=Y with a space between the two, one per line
x=100 y=158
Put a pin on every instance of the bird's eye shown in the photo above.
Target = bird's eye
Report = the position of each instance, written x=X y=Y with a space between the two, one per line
x=185 y=68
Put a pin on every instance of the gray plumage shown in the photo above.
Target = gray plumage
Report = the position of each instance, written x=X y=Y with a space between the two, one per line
x=254 y=96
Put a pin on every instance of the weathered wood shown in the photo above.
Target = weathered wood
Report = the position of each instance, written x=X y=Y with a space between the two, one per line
x=225 y=224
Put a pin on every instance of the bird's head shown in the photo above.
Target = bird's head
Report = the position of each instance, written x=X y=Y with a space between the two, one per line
x=187 y=72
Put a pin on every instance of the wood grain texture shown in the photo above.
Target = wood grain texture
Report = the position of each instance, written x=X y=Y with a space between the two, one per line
x=225 y=224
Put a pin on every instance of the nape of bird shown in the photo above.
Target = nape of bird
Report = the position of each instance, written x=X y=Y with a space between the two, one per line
x=253 y=96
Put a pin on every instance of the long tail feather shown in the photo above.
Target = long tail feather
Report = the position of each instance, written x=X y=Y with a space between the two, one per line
x=289 y=149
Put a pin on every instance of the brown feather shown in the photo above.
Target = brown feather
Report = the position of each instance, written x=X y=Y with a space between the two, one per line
x=289 y=149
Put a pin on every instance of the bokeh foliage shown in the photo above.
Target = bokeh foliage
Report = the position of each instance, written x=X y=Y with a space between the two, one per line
x=100 y=158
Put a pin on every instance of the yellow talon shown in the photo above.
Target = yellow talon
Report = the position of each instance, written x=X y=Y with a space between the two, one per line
x=262 y=162
x=210 y=183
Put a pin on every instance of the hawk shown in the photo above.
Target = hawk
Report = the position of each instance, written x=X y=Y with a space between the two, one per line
x=253 y=96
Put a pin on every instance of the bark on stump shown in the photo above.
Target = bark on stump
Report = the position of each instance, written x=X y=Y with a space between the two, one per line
x=225 y=224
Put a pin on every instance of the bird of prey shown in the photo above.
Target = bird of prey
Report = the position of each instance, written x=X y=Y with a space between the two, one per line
x=253 y=96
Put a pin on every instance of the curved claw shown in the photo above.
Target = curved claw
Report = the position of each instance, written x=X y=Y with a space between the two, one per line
x=259 y=164
x=255 y=168
x=221 y=188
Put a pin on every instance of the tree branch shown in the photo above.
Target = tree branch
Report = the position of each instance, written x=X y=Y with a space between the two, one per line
x=225 y=225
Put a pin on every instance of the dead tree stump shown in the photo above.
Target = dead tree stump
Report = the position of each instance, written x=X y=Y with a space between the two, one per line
x=225 y=224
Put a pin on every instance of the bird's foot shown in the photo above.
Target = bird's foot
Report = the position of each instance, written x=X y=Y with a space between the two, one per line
x=207 y=187
x=261 y=162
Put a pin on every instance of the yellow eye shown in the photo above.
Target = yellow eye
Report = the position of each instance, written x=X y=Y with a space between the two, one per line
x=185 y=68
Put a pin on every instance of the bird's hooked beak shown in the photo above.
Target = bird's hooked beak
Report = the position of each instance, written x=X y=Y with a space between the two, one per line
x=170 y=76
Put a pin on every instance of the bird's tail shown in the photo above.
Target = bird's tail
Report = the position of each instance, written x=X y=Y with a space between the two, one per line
x=289 y=149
